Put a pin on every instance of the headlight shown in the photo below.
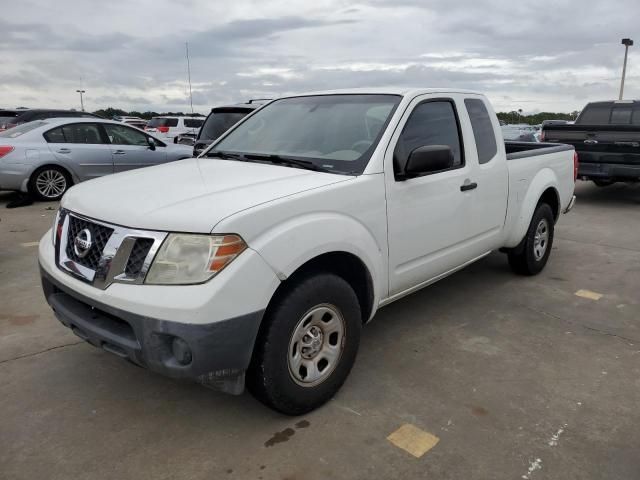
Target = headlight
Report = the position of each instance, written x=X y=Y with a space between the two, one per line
x=187 y=259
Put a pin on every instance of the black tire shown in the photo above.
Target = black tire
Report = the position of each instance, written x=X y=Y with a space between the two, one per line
x=36 y=189
x=527 y=258
x=604 y=183
x=269 y=377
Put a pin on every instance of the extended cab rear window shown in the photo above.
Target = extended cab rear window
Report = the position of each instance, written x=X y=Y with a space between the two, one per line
x=482 y=129
x=163 y=122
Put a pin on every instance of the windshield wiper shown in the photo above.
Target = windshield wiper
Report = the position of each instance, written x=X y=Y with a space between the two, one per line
x=288 y=161
x=224 y=155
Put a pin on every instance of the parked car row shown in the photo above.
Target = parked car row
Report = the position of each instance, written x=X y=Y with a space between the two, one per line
x=44 y=152
x=13 y=118
x=45 y=157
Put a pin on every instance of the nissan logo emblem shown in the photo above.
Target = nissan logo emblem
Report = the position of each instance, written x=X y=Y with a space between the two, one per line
x=82 y=243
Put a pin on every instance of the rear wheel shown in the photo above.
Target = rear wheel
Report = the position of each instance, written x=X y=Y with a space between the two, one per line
x=530 y=257
x=49 y=183
x=307 y=345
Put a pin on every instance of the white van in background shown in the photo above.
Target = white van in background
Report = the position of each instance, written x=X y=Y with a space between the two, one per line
x=166 y=128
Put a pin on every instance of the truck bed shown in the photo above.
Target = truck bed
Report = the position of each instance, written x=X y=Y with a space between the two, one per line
x=517 y=150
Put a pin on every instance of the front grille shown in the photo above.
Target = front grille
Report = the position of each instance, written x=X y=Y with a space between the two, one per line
x=137 y=257
x=99 y=237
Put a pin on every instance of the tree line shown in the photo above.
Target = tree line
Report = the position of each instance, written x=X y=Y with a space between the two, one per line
x=535 y=118
x=111 y=112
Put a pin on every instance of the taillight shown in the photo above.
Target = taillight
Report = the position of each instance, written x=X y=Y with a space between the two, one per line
x=542 y=136
x=163 y=129
x=575 y=166
x=5 y=149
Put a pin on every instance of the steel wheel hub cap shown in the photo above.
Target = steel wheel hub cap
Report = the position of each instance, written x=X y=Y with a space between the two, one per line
x=51 y=183
x=316 y=345
x=541 y=239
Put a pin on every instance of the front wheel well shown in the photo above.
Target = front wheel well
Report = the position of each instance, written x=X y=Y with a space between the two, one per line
x=551 y=198
x=345 y=265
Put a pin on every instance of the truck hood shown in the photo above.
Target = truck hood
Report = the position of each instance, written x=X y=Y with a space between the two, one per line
x=190 y=195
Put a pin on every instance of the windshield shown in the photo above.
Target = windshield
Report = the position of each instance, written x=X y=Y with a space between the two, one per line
x=20 y=129
x=335 y=132
x=219 y=121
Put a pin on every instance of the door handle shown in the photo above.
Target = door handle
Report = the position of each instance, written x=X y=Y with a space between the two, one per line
x=468 y=186
x=119 y=152
x=64 y=150
x=590 y=141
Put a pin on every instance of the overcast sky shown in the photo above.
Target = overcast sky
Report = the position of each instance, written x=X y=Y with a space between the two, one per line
x=535 y=55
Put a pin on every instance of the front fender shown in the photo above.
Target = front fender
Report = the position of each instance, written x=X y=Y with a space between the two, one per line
x=289 y=245
x=544 y=179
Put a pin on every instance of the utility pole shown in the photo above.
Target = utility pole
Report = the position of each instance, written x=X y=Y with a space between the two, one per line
x=81 y=100
x=627 y=42
x=189 y=77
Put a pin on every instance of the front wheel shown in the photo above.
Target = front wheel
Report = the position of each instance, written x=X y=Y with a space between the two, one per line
x=530 y=257
x=49 y=183
x=307 y=345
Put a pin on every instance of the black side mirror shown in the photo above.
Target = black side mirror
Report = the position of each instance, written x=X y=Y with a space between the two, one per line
x=428 y=159
x=152 y=143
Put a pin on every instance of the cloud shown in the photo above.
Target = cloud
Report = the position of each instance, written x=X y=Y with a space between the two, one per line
x=533 y=55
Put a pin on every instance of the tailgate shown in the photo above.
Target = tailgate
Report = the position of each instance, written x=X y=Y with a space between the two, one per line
x=615 y=144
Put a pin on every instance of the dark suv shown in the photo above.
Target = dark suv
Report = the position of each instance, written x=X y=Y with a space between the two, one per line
x=221 y=119
x=11 y=118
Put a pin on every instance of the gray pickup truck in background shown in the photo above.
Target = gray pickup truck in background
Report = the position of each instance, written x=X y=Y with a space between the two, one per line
x=606 y=136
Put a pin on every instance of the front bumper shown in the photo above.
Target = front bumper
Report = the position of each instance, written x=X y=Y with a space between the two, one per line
x=220 y=352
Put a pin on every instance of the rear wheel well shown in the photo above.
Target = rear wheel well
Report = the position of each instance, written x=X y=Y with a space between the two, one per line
x=550 y=197
x=345 y=265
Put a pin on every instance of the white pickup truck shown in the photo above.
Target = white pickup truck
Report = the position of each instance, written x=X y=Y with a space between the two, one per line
x=262 y=259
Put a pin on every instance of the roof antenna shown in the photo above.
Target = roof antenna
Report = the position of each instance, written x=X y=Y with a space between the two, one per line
x=189 y=77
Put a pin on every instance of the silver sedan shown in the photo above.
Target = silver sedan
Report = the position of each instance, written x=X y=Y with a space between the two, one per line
x=46 y=157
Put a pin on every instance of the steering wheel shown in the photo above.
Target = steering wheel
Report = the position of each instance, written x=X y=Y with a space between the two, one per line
x=361 y=146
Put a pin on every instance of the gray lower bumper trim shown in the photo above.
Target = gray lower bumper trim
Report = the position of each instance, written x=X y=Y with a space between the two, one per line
x=220 y=351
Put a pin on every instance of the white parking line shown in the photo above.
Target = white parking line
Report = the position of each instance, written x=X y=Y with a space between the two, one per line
x=29 y=244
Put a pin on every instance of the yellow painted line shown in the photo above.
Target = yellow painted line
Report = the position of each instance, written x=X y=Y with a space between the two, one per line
x=30 y=244
x=413 y=440
x=588 y=294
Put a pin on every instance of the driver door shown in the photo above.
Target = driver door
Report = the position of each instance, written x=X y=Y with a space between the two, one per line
x=130 y=148
x=427 y=215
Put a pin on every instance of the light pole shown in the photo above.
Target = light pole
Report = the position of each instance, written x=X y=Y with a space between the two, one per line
x=627 y=42
x=81 y=100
